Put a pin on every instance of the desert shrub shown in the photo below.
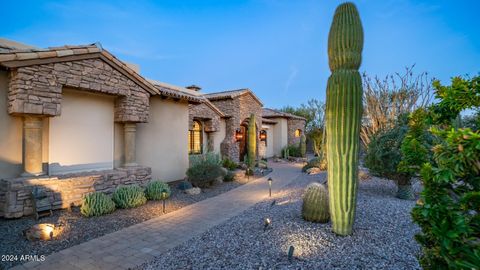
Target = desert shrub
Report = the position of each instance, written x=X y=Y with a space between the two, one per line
x=229 y=177
x=97 y=204
x=384 y=100
x=155 y=189
x=383 y=152
x=184 y=185
x=448 y=210
x=292 y=150
x=229 y=164
x=472 y=121
x=316 y=162
x=129 y=196
x=204 y=169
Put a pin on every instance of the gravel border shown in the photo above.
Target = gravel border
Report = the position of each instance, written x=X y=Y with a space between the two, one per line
x=383 y=236
x=78 y=229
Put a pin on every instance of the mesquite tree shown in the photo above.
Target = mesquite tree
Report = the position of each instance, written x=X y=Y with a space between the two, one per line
x=343 y=115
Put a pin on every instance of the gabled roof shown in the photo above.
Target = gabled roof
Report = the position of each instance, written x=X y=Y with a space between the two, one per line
x=231 y=94
x=271 y=113
x=214 y=108
x=14 y=55
x=174 y=91
x=268 y=121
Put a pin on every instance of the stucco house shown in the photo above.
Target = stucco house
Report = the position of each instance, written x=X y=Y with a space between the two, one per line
x=75 y=119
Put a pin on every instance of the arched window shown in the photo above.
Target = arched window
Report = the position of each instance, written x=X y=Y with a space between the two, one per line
x=298 y=133
x=195 y=140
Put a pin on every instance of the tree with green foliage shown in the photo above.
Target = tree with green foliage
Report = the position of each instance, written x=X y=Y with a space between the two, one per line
x=313 y=111
x=448 y=208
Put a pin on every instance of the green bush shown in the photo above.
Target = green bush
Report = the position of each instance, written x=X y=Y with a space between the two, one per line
x=129 y=197
x=448 y=209
x=229 y=164
x=155 y=189
x=383 y=152
x=204 y=169
x=292 y=150
x=97 y=204
x=316 y=162
x=229 y=177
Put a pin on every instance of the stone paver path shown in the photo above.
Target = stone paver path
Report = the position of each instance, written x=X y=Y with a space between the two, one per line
x=140 y=243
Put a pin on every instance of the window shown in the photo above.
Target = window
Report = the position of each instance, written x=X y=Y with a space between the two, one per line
x=195 y=139
x=298 y=133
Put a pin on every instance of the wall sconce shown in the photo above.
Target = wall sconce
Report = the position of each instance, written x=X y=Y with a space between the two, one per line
x=238 y=135
x=263 y=135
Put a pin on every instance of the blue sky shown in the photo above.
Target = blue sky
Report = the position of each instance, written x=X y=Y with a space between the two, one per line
x=277 y=48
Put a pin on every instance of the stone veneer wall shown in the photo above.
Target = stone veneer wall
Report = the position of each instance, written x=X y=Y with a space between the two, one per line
x=37 y=89
x=205 y=113
x=237 y=109
x=294 y=124
x=65 y=190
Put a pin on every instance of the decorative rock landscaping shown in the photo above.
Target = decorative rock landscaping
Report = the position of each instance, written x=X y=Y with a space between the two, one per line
x=383 y=236
x=71 y=228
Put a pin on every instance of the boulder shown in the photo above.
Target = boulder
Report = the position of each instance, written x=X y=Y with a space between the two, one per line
x=313 y=170
x=193 y=191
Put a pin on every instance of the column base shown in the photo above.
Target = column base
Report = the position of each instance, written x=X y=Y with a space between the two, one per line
x=130 y=165
x=27 y=174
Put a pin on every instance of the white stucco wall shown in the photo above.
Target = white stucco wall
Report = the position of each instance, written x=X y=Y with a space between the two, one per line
x=219 y=136
x=280 y=135
x=81 y=138
x=11 y=136
x=162 y=143
x=270 y=139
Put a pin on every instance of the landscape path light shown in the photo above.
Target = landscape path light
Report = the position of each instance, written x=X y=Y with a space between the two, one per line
x=164 y=197
x=270 y=186
x=267 y=222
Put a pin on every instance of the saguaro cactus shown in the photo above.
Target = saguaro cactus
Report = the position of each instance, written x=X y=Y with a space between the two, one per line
x=344 y=112
x=252 y=142
x=303 y=145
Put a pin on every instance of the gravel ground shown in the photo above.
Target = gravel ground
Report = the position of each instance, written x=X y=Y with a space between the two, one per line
x=382 y=238
x=78 y=229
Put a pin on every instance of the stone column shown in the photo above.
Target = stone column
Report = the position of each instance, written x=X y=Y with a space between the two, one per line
x=210 y=141
x=129 y=143
x=32 y=139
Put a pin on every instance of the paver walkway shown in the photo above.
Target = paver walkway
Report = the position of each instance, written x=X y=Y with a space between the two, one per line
x=140 y=243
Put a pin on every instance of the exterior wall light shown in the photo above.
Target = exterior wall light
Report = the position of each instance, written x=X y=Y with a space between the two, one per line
x=238 y=135
x=263 y=135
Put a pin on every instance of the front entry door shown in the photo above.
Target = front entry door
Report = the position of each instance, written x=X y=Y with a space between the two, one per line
x=243 y=143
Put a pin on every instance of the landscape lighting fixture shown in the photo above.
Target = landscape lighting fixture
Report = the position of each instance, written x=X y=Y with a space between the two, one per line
x=267 y=222
x=164 y=197
x=270 y=186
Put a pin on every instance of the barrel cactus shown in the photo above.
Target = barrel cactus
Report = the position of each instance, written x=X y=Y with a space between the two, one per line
x=315 y=204
x=97 y=204
x=252 y=142
x=303 y=145
x=343 y=115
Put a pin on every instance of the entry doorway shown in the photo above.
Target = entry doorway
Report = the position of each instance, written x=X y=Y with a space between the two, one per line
x=243 y=142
